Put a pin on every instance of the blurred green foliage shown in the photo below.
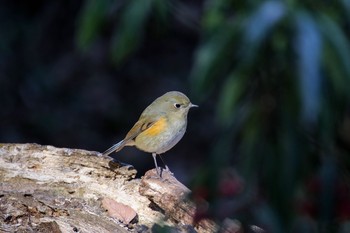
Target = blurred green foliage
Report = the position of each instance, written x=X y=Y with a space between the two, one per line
x=281 y=69
x=132 y=17
x=91 y=22
x=278 y=74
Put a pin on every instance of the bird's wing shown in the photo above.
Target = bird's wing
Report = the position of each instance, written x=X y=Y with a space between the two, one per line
x=140 y=126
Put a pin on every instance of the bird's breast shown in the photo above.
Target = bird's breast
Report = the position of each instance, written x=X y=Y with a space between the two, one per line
x=161 y=136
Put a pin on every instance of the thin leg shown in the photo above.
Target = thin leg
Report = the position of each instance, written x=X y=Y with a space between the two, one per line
x=166 y=167
x=155 y=162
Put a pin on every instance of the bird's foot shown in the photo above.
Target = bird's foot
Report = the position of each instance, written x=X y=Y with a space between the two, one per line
x=168 y=170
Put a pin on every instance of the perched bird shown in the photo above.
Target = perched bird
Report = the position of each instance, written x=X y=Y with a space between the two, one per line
x=160 y=127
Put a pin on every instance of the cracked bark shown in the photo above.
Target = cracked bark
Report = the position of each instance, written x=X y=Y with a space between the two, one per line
x=48 y=189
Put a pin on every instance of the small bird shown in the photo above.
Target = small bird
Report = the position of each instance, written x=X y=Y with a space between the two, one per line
x=160 y=127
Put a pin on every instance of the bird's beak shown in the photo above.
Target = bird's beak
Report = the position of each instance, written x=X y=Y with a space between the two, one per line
x=193 y=105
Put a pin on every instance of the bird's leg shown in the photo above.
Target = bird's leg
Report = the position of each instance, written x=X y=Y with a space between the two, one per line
x=155 y=163
x=166 y=167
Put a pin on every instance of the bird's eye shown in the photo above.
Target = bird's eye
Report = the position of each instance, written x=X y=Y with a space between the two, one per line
x=177 y=105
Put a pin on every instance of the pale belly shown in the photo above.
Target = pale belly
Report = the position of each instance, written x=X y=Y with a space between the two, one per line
x=162 y=142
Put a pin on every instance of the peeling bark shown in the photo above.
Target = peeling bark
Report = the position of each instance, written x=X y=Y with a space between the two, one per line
x=48 y=189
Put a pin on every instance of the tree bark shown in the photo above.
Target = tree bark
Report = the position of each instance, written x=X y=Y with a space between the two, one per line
x=48 y=189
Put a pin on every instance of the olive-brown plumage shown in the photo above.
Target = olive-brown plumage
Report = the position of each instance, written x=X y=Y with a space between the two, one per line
x=160 y=127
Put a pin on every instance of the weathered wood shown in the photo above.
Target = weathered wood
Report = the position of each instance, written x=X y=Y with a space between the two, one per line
x=48 y=189
x=172 y=197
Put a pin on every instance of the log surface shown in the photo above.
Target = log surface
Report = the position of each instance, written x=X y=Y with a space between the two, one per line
x=49 y=189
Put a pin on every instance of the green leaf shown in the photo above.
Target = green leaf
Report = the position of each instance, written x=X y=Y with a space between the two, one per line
x=308 y=46
x=90 y=22
x=346 y=4
x=161 y=8
x=214 y=57
x=131 y=29
x=341 y=48
x=260 y=24
x=214 y=14
x=232 y=90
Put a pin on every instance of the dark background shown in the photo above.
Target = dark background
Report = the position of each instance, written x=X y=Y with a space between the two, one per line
x=53 y=93
x=269 y=144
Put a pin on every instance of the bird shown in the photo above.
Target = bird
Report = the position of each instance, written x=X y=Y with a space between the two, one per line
x=159 y=128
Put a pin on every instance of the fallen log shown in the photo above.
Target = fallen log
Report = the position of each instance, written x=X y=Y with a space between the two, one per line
x=49 y=189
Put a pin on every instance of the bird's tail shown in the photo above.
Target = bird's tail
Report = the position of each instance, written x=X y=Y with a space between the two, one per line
x=116 y=147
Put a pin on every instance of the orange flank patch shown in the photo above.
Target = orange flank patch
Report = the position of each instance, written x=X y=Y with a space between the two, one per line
x=156 y=128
